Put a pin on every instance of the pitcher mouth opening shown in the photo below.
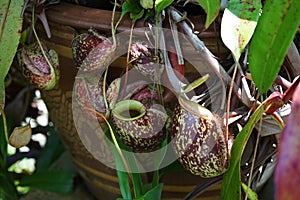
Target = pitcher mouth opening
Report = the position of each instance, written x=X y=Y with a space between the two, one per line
x=129 y=110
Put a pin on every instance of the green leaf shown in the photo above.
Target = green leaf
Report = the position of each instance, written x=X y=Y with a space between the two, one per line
x=133 y=7
x=137 y=184
x=136 y=16
x=122 y=176
x=51 y=152
x=10 y=33
x=245 y=9
x=133 y=164
x=231 y=184
x=147 y=4
x=195 y=83
x=250 y=193
x=157 y=160
x=54 y=181
x=7 y=188
x=273 y=35
x=154 y=193
x=211 y=7
x=238 y=24
x=161 y=5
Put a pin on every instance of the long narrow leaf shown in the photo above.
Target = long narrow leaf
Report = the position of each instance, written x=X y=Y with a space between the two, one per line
x=273 y=35
x=10 y=33
x=122 y=176
x=250 y=193
x=231 y=184
x=133 y=165
x=154 y=193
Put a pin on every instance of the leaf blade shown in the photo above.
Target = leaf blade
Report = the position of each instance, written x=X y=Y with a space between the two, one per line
x=272 y=37
x=10 y=33
x=161 y=5
x=212 y=8
x=54 y=181
x=231 y=184
x=238 y=24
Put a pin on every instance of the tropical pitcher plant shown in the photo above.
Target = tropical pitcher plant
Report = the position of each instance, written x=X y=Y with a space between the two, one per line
x=164 y=108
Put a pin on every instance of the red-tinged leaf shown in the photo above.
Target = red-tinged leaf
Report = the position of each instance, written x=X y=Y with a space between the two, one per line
x=287 y=173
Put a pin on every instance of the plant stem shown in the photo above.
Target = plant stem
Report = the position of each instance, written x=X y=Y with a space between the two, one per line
x=4 y=123
x=127 y=60
x=229 y=100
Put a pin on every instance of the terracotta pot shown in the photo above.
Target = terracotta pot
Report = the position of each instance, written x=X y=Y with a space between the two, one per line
x=102 y=181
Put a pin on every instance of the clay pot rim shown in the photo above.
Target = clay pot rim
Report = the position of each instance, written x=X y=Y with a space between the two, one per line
x=82 y=17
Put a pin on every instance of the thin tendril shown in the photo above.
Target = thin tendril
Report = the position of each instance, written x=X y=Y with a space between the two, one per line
x=113 y=138
x=39 y=42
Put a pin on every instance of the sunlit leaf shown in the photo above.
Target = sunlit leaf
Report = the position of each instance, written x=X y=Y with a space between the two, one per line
x=273 y=35
x=250 y=193
x=238 y=24
x=195 y=108
x=196 y=83
x=231 y=184
x=211 y=7
x=10 y=33
x=161 y=5
x=147 y=4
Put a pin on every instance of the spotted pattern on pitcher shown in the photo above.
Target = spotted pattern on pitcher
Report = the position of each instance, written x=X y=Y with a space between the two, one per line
x=199 y=143
x=143 y=134
x=92 y=52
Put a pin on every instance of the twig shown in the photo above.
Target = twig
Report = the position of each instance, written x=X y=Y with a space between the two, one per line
x=205 y=53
